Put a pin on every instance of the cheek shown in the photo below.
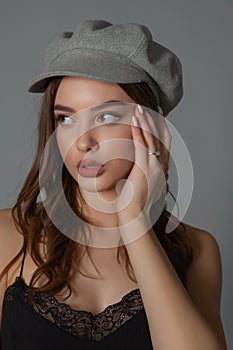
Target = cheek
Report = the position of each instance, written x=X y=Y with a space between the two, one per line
x=121 y=151
x=124 y=131
x=118 y=144
x=125 y=139
x=67 y=151
x=122 y=168
x=65 y=144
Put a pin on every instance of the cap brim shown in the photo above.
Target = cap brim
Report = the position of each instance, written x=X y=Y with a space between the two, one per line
x=97 y=68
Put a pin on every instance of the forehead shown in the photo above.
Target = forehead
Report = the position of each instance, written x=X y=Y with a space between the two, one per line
x=81 y=92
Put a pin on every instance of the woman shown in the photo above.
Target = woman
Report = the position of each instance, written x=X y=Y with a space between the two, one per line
x=101 y=171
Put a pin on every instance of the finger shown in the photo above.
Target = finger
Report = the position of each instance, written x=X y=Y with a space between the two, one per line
x=159 y=127
x=150 y=134
x=149 y=121
x=165 y=137
x=139 y=143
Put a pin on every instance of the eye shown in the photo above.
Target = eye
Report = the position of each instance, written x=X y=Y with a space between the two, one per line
x=63 y=119
x=107 y=118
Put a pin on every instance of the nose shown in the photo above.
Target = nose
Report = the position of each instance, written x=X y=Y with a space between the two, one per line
x=87 y=142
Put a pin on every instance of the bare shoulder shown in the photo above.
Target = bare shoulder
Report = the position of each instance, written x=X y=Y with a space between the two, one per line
x=202 y=241
x=11 y=239
x=206 y=267
x=204 y=278
x=10 y=244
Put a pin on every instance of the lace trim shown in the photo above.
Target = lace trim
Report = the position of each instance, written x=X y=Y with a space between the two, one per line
x=82 y=324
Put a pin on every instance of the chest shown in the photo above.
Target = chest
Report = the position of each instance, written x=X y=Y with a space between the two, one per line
x=91 y=291
x=95 y=295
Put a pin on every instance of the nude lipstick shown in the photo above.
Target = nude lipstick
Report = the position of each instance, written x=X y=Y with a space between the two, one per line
x=90 y=168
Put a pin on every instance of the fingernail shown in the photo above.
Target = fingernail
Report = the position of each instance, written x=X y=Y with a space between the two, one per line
x=160 y=110
x=140 y=109
x=134 y=120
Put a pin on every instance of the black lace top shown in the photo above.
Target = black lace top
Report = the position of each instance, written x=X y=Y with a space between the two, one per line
x=45 y=323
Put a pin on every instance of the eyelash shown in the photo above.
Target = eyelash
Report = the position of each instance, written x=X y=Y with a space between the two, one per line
x=109 y=113
x=60 y=118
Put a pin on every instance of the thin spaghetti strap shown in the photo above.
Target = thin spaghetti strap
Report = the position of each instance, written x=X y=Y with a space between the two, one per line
x=24 y=255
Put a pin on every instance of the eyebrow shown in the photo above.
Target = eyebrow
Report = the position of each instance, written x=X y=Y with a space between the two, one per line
x=71 y=110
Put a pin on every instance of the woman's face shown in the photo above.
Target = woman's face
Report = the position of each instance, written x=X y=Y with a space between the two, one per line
x=109 y=144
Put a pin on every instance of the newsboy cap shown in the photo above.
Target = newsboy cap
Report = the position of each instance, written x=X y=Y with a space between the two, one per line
x=115 y=53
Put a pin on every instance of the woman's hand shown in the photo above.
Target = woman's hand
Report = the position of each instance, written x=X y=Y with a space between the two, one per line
x=147 y=180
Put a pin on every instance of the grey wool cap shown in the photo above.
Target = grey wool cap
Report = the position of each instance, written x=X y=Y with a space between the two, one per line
x=115 y=53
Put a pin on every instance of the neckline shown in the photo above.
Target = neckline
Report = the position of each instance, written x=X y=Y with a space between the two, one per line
x=125 y=297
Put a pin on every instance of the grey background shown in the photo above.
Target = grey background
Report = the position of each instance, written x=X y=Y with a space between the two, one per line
x=200 y=32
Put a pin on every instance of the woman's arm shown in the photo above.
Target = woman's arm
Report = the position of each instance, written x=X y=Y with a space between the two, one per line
x=179 y=319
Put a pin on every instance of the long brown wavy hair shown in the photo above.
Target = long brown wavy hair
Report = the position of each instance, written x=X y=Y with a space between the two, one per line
x=61 y=257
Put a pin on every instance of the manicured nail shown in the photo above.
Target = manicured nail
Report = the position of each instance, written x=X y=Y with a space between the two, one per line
x=160 y=110
x=140 y=109
x=134 y=120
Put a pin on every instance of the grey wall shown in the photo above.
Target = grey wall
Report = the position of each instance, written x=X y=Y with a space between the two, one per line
x=200 y=32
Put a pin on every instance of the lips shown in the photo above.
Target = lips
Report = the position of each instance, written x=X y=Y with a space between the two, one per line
x=90 y=168
x=85 y=163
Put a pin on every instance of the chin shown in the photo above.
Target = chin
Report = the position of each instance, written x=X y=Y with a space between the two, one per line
x=101 y=184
